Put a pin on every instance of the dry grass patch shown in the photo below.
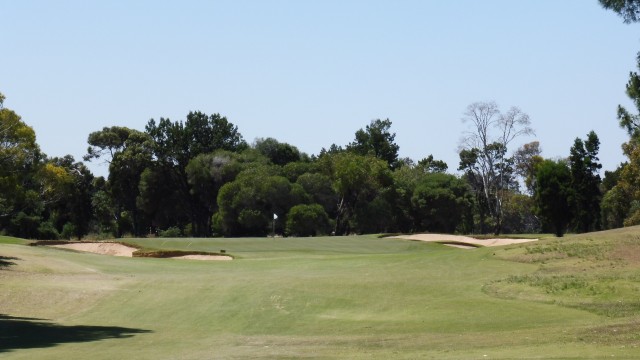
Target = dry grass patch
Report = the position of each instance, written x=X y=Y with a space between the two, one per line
x=627 y=334
x=596 y=272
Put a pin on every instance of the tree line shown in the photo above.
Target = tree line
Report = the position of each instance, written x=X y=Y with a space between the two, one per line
x=199 y=177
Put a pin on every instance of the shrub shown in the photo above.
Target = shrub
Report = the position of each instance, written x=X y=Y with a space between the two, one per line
x=307 y=220
x=253 y=221
x=188 y=230
x=68 y=231
x=46 y=231
x=171 y=232
x=216 y=224
x=98 y=236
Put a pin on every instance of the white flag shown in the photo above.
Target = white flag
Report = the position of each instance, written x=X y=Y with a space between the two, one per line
x=275 y=217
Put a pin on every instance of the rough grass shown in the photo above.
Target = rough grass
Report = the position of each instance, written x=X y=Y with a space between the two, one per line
x=12 y=240
x=334 y=297
x=596 y=272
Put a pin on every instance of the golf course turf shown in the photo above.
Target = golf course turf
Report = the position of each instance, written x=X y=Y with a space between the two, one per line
x=357 y=297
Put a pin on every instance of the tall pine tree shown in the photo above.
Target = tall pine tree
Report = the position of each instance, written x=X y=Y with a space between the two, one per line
x=585 y=181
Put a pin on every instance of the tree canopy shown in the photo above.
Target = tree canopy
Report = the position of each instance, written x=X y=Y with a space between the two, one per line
x=554 y=195
x=484 y=154
x=628 y=9
x=377 y=140
x=198 y=177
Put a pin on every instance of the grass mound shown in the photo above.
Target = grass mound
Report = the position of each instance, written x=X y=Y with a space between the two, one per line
x=13 y=240
x=596 y=272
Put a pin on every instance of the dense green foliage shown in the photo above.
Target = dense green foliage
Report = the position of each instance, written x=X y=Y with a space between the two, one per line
x=441 y=201
x=585 y=181
x=377 y=140
x=554 y=195
x=621 y=198
x=628 y=9
x=40 y=197
x=198 y=177
x=307 y=220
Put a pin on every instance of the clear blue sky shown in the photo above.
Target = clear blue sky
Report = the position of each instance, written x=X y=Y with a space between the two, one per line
x=311 y=73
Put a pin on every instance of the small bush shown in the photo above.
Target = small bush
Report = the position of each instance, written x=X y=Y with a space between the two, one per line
x=216 y=224
x=307 y=220
x=68 y=231
x=188 y=230
x=46 y=231
x=171 y=232
x=99 y=236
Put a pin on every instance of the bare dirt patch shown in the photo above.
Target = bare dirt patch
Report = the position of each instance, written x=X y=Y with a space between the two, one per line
x=103 y=248
x=630 y=253
x=460 y=241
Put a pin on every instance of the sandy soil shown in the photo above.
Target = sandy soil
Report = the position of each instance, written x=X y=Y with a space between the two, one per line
x=204 y=257
x=462 y=239
x=104 y=248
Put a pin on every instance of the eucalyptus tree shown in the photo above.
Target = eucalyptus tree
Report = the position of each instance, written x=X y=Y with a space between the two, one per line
x=526 y=158
x=21 y=176
x=40 y=197
x=484 y=152
x=128 y=152
x=72 y=212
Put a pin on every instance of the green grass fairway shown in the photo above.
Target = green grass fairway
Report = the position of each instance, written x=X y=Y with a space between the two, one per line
x=355 y=297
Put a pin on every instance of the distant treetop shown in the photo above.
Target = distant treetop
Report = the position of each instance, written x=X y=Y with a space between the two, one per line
x=628 y=9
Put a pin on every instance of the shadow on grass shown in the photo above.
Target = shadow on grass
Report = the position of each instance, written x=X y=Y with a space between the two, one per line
x=6 y=261
x=26 y=333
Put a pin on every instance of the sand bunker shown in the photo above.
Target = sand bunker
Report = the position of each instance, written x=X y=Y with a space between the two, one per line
x=462 y=240
x=116 y=249
x=204 y=257
x=104 y=248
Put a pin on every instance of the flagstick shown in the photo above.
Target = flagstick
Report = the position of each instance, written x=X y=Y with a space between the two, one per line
x=273 y=226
